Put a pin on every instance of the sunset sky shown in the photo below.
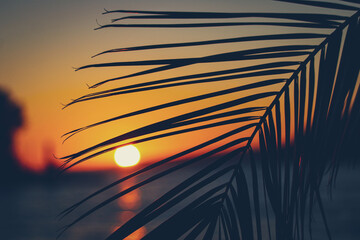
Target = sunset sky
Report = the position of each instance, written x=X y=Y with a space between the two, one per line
x=42 y=41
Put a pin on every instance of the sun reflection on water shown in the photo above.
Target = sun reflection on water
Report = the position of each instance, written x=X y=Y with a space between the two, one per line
x=129 y=204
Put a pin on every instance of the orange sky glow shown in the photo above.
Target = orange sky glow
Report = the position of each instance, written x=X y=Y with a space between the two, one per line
x=40 y=44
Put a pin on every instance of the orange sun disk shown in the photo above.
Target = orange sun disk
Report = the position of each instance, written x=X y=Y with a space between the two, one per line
x=127 y=156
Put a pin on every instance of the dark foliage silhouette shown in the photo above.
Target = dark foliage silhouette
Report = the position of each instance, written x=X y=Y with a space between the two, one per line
x=11 y=119
x=308 y=128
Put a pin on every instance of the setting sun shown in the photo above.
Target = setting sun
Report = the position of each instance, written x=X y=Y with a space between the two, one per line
x=127 y=156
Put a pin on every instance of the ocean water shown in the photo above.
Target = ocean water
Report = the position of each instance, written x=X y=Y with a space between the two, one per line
x=30 y=210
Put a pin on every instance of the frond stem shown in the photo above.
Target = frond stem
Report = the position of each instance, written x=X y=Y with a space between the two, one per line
x=283 y=89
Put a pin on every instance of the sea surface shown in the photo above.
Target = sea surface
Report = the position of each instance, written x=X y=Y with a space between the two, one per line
x=31 y=210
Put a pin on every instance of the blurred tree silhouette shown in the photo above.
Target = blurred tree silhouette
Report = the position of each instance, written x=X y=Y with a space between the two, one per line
x=11 y=119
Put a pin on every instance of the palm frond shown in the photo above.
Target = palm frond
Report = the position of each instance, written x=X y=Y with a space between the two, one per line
x=308 y=125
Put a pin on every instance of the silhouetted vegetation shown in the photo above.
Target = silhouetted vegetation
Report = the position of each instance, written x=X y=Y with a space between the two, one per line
x=305 y=132
x=11 y=119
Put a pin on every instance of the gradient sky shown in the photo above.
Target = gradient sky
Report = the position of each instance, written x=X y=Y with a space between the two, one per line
x=42 y=40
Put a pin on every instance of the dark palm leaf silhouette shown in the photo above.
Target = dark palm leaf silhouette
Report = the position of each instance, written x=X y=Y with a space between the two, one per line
x=309 y=126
